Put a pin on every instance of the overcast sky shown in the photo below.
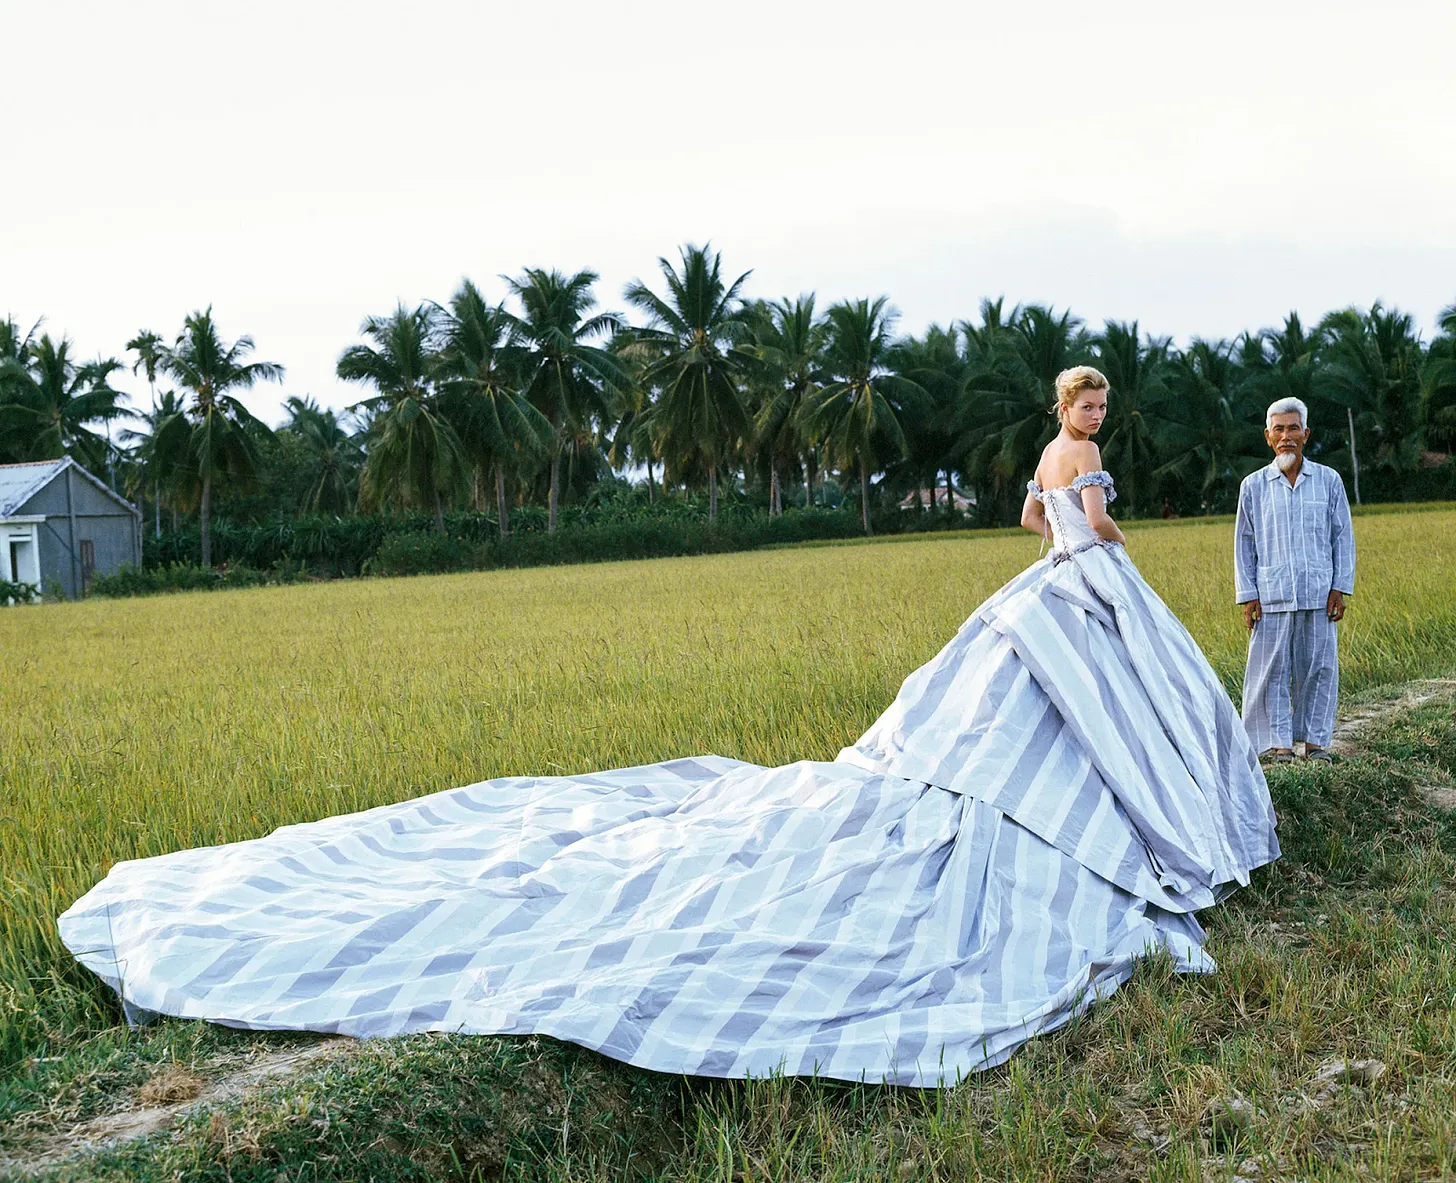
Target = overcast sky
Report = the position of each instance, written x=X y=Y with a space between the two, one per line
x=1200 y=168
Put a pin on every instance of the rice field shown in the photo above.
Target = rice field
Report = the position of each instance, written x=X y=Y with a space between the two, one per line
x=134 y=727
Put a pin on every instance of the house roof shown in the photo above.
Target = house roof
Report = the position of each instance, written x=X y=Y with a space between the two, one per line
x=20 y=482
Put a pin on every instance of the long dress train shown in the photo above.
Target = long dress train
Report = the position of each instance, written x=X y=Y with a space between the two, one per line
x=1049 y=798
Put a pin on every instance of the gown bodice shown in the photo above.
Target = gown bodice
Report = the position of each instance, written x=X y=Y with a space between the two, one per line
x=1070 y=530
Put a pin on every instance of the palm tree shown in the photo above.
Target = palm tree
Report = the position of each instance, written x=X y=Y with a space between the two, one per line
x=695 y=334
x=630 y=439
x=858 y=412
x=565 y=378
x=144 y=450
x=216 y=437
x=497 y=424
x=149 y=348
x=415 y=455
x=14 y=357
x=1134 y=370
x=1208 y=435
x=1006 y=411
x=333 y=455
x=938 y=366
x=12 y=344
x=1370 y=364
x=1438 y=385
x=789 y=341
x=1285 y=363
x=48 y=400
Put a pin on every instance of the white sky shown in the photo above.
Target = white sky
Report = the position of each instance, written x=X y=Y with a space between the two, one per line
x=1201 y=168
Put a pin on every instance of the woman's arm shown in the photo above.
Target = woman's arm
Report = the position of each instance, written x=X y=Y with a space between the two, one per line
x=1033 y=517
x=1094 y=499
x=1094 y=504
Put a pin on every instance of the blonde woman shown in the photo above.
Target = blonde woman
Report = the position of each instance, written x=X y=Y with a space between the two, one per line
x=1072 y=460
x=1047 y=800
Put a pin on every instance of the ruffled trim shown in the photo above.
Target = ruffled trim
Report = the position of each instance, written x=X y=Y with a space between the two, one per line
x=1061 y=556
x=1100 y=477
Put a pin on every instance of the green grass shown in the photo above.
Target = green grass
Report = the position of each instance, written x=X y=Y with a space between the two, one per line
x=136 y=727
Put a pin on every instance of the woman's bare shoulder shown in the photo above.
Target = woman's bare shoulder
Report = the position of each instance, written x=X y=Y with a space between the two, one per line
x=1087 y=456
x=1047 y=465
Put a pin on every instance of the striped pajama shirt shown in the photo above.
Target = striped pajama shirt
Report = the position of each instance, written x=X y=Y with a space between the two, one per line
x=1293 y=545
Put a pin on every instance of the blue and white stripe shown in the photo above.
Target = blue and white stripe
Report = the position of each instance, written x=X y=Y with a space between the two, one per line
x=1293 y=544
x=1292 y=680
x=1046 y=801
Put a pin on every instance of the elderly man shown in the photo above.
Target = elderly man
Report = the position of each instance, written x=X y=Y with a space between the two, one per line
x=1294 y=564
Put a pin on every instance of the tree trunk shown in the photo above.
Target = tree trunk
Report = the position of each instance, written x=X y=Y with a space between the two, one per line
x=1354 y=459
x=775 y=507
x=157 y=490
x=949 y=495
x=204 y=510
x=712 y=492
x=651 y=487
x=809 y=479
x=502 y=510
x=864 y=493
x=439 y=513
x=555 y=494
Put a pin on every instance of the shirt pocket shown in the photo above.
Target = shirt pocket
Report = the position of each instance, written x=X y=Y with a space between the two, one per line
x=1274 y=584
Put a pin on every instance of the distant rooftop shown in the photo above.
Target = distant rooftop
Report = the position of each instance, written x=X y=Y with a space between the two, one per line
x=20 y=482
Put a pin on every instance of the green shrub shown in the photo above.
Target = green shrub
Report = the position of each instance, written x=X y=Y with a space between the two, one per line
x=144 y=581
x=17 y=593
x=281 y=551
x=419 y=554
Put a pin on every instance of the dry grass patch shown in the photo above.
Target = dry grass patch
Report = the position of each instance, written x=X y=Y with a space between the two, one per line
x=173 y=1083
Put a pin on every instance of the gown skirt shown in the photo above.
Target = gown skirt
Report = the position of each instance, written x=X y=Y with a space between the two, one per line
x=1047 y=800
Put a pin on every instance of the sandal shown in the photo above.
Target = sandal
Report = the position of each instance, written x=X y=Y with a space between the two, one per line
x=1276 y=756
x=1320 y=754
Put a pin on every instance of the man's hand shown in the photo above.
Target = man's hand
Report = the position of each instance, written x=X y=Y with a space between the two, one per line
x=1253 y=613
x=1335 y=606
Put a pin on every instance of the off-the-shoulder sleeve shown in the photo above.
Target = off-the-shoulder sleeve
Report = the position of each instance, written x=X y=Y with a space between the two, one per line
x=1099 y=477
x=1034 y=489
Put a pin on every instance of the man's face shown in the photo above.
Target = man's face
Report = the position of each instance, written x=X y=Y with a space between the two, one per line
x=1287 y=438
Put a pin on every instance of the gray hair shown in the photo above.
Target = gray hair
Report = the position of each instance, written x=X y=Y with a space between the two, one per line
x=1282 y=407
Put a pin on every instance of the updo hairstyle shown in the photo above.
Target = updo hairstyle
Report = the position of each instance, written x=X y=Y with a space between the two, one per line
x=1071 y=383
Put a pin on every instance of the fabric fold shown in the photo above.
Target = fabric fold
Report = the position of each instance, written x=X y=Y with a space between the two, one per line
x=1048 y=799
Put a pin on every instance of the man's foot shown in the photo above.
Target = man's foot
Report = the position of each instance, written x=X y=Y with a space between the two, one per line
x=1276 y=755
x=1317 y=754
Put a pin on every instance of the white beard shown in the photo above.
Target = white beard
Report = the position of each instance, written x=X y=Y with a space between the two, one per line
x=1286 y=460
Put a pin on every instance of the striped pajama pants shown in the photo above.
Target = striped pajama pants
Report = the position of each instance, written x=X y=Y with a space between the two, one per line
x=1298 y=649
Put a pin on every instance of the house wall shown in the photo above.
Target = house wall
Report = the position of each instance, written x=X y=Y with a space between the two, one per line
x=18 y=539
x=112 y=530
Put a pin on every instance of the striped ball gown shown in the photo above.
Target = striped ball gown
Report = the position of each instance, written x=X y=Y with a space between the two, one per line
x=1051 y=797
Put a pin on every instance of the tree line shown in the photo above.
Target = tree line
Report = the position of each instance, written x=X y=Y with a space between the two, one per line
x=544 y=395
